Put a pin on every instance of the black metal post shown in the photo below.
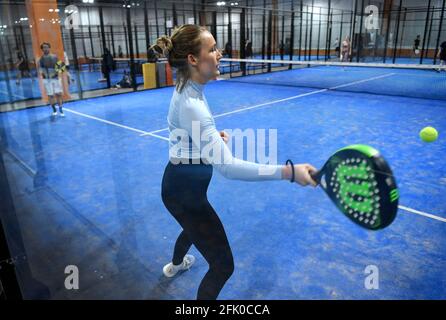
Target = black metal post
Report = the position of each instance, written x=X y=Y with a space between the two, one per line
x=425 y=31
x=25 y=52
x=389 y=19
x=251 y=29
x=397 y=31
x=429 y=34
x=99 y=36
x=311 y=29
x=230 y=30
x=146 y=26
x=403 y=28
x=174 y=14
x=76 y=64
x=242 y=41
x=156 y=19
x=4 y=62
x=270 y=37
x=126 y=40
x=195 y=12
x=291 y=53
x=91 y=41
x=306 y=34
x=165 y=22
x=263 y=29
x=282 y=50
x=136 y=40
x=300 y=27
x=319 y=33
x=360 y=38
x=214 y=24
x=101 y=22
x=353 y=27
x=439 y=31
x=130 y=44
x=330 y=19
x=327 y=38
x=112 y=41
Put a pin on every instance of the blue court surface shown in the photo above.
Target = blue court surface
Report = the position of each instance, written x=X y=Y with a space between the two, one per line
x=87 y=187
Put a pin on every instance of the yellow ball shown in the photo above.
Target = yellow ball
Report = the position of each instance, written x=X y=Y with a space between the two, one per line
x=429 y=134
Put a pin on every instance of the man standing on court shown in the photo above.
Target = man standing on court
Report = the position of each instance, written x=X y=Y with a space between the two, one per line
x=416 y=45
x=51 y=80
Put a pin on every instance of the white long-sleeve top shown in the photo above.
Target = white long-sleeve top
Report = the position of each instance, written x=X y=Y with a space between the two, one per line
x=189 y=110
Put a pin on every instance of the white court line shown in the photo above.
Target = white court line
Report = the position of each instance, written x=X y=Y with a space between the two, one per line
x=253 y=107
x=115 y=124
x=271 y=102
x=362 y=81
x=23 y=163
x=421 y=213
x=286 y=99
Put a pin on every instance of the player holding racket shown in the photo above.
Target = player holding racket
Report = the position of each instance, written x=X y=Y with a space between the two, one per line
x=192 y=51
x=51 y=80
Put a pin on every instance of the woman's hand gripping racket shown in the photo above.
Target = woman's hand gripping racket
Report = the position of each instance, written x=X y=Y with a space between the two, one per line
x=360 y=183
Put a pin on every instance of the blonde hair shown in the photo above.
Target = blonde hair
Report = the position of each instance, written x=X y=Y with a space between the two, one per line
x=185 y=40
x=163 y=40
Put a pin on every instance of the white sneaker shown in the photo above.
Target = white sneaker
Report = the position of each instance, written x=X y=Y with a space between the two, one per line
x=170 y=269
x=54 y=114
x=62 y=114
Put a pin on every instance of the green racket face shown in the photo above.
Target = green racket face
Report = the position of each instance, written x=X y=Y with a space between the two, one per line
x=361 y=184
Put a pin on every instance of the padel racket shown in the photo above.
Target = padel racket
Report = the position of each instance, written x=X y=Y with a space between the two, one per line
x=360 y=183
x=60 y=67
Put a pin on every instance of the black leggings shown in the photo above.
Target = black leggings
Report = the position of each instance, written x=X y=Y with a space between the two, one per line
x=183 y=192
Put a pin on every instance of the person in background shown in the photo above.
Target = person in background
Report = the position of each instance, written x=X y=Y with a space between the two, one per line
x=125 y=82
x=67 y=67
x=158 y=50
x=120 y=54
x=416 y=45
x=337 y=48
x=228 y=50
x=22 y=67
x=51 y=81
x=346 y=50
x=281 y=49
x=248 y=49
x=107 y=64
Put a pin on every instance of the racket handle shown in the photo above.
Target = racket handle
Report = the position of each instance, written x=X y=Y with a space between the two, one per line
x=316 y=176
